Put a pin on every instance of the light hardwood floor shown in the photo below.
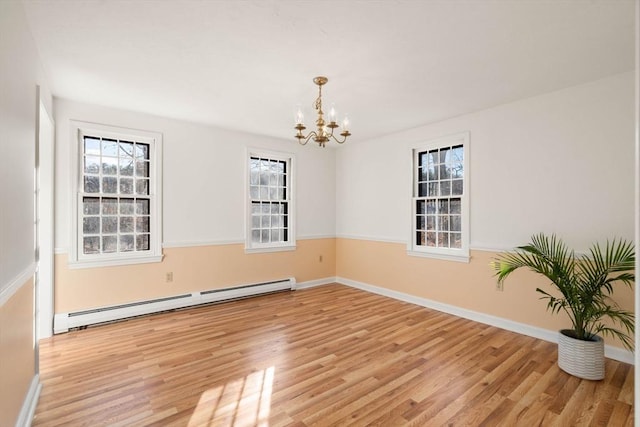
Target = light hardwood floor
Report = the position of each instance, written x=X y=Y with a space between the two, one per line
x=330 y=355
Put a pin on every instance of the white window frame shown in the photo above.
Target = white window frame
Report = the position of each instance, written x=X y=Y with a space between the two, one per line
x=77 y=258
x=453 y=254
x=290 y=244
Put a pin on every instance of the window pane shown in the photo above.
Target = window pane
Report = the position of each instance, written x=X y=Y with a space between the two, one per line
x=420 y=238
x=142 y=207
x=456 y=189
x=109 y=206
x=431 y=222
x=264 y=177
x=431 y=206
x=91 y=245
x=126 y=224
x=91 y=145
x=110 y=184
x=264 y=236
x=91 y=205
x=255 y=221
x=254 y=192
x=457 y=155
x=455 y=240
x=142 y=186
x=445 y=188
x=456 y=223
x=443 y=240
x=91 y=164
x=264 y=193
x=455 y=205
x=109 y=225
x=255 y=236
x=431 y=239
x=142 y=151
x=142 y=242
x=433 y=189
x=109 y=244
x=126 y=149
x=142 y=169
x=109 y=148
x=275 y=235
x=276 y=193
x=126 y=167
x=443 y=206
x=423 y=190
x=91 y=184
x=126 y=206
x=126 y=186
x=420 y=206
x=126 y=242
x=109 y=165
x=254 y=177
x=266 y=221
x=420 y=222
x=443 y=222
x=142 y=224
x=91 y=225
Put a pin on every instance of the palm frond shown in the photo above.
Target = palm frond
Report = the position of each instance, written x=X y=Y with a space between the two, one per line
x=585 y=283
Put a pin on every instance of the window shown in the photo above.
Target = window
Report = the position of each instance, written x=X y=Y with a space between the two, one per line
x=118 y=212
x=440 y=208
x=270 y=206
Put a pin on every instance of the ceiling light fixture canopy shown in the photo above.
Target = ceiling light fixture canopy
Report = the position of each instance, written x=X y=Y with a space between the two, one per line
x=324 y=130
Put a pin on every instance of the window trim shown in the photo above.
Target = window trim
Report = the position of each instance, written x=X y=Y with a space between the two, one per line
x=289 y=158
x=78 y=260
x=449 y=254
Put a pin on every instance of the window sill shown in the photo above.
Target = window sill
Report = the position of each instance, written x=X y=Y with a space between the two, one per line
x=446 y=257
x=269 y=249
x=112 y=262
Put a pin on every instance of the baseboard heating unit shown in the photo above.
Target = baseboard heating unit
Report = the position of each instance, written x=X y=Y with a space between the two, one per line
x=62 y=322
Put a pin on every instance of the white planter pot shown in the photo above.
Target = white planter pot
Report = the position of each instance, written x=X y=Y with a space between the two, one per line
x=583 y=359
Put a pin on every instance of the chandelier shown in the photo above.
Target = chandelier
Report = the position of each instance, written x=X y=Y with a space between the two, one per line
x=324 y=130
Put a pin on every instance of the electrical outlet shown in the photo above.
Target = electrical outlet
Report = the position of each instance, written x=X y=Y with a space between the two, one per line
x=169 y=278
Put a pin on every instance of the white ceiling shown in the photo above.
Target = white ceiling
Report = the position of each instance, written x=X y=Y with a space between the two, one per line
x=392 y=65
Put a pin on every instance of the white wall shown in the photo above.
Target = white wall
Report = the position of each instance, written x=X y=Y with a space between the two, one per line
x=20 y=73
x=203 y=177
x=559 y=162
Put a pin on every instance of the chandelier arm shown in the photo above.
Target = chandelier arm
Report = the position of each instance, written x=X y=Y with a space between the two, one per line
x=307 y=138
x=336 y=139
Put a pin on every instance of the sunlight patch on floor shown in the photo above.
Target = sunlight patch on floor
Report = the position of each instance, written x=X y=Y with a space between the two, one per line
x=243 y=402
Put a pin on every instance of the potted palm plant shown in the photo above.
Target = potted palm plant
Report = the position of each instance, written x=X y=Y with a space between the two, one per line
x=583 y=287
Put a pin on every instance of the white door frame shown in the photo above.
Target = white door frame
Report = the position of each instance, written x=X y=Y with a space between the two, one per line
x=45 y=158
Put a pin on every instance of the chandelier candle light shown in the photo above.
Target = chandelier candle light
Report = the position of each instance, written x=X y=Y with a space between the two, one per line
x=325 y=130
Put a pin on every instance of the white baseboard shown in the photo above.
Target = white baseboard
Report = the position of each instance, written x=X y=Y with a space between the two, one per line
x=28 y=409
x=615 y=353
x=314 y=283
x=62 y=322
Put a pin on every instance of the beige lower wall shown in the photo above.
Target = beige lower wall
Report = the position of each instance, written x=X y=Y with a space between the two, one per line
x=194 y=269
x=470 y=286
x=17 y=355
